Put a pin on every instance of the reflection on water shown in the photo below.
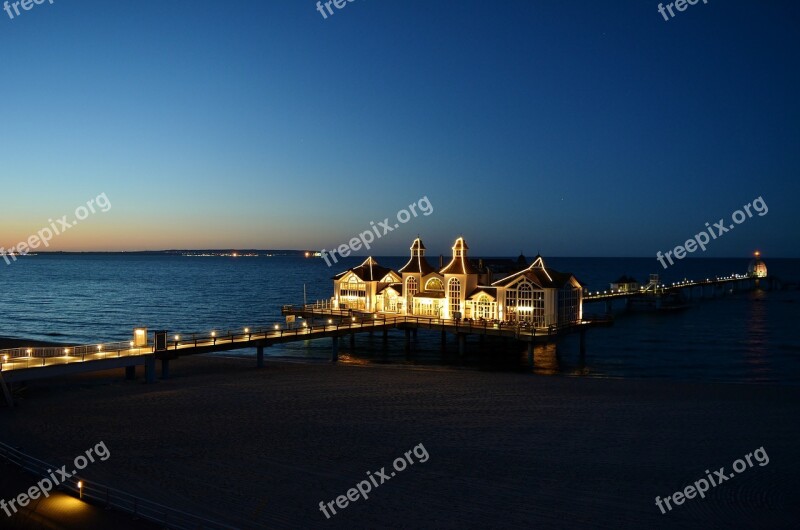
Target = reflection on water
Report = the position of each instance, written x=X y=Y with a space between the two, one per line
x=756 y=355
x=545 y=359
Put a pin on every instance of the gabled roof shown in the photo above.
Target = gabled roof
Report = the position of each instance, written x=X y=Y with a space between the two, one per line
x=369 y=271
x=541 y=276
x=398 y=287
x=491 y=291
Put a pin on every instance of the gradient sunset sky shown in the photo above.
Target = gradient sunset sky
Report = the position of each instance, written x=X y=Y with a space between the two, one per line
x=572 y=128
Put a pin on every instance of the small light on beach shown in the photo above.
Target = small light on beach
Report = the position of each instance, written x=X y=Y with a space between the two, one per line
x=247 y=330
x=304 y=324
x=66 y=351
x=28 y=351
x=330 y=321
x=354 y=319
x=5 y=358
x=99 y=347
x=131 y=344
x=213 y=333
x=80 y=488
x=177 y=338
x=277 y=326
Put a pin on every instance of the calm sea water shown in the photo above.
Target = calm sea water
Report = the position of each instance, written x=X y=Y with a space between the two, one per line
x=743 y=337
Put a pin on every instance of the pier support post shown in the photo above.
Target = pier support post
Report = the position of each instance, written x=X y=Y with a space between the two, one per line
x=130 y=373
x=609 y=305
x=7 y=392
x=408 y=340
x=352 y=342
x=444 y=341
x=462 y=344
x=260 y=356
x=530 y=355
x=335 y=350
x=385 y=335
x=164 y=368
x=150 y=369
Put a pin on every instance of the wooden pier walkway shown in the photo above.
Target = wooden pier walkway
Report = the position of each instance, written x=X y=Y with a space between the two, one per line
x=736 y=281
x=26 y=364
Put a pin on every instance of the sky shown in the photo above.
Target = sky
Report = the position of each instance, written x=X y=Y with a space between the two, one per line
x=567 y=127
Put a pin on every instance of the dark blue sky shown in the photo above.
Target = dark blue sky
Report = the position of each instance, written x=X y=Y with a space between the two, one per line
x=568 y=127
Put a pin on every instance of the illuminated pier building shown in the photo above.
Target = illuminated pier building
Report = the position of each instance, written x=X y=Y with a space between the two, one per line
x=462 y=289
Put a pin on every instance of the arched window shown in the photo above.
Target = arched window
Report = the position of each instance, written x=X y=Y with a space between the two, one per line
x=353 y=292
x=525 y=301
x=484 y=307
x=434 y=284
x=412 y=288
x=353 y=286
x=454 y=295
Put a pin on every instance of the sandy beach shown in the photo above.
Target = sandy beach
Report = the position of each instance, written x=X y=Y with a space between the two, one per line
x=261 y=448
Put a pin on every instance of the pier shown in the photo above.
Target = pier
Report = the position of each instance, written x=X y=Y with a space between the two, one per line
x=652 y=293
x=27 y=364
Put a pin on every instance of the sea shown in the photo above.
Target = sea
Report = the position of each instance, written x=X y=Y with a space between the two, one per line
x=738 y=337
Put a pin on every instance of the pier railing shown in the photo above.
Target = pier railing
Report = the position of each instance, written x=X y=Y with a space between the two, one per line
x=108 y=497
x=317 y=323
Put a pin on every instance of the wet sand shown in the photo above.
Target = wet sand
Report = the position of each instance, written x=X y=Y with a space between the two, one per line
x=261 y=448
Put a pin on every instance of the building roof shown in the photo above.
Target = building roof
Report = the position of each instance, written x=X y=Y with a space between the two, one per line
x=417 y=264
x=491 y=291
x=369 y=271
x=540 y=275
x=459 y=264
x=396 y=286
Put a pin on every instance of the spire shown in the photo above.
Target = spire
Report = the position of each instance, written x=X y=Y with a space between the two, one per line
x=417 y=248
